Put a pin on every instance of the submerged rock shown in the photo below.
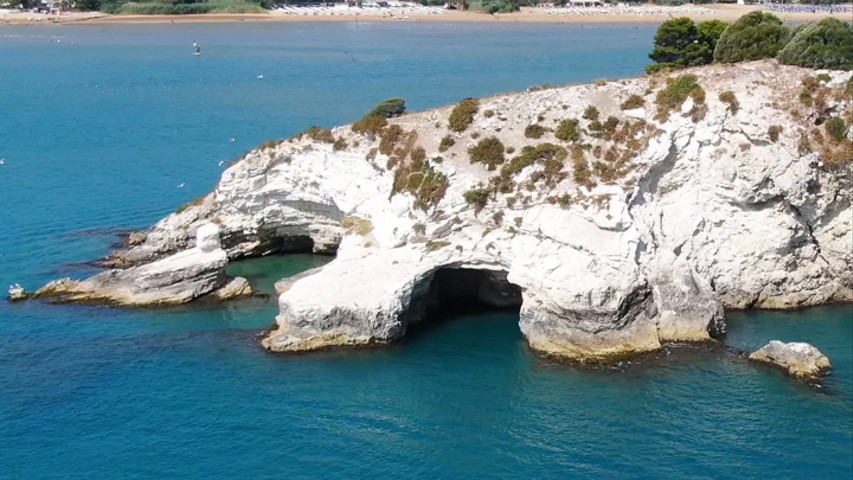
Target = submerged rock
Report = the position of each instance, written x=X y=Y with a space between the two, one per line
x=173 y=280
x=236 y=288
x=799 y=359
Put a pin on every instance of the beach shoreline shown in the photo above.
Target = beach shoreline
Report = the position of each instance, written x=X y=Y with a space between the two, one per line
x=725 y=12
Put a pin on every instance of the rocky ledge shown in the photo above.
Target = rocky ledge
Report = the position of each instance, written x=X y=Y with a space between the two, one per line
x=198 y=272
x=800 y=360
x=616 y=216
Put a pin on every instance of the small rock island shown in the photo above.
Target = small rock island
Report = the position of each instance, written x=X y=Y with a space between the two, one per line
x=800 y=360
x=618 y=216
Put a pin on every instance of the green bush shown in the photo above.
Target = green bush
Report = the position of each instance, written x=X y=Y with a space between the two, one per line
x=680 y=43
x=595 y=129
x=463 y=114
x=836 y=127
x=389 y=138
x=753 y=36
x=729 y=98
x=319 y=134
x=393 y=107
x=239 y=6
x=446 y=143
x=824 y=44
x=591 y=113
x=675 y=93
x=634 y=101
x=179 y=7
x=478 y=197
x=488 y=151
x=568 y=130
x=134 y=8
x=432 y=246
x=369 y=124
x=534 y=131
x=773 y=132
x=539 y=88
x=500 y=6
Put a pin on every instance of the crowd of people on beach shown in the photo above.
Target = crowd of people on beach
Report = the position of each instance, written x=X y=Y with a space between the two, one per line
x=641 y=10
x=371 y=9
x=800 y=8
x=405 y=10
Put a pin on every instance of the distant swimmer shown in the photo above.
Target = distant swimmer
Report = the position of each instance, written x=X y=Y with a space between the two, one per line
x=196 y=49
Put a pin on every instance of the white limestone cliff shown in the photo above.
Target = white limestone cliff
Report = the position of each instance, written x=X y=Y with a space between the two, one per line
x=176 y=279
x=704 y=208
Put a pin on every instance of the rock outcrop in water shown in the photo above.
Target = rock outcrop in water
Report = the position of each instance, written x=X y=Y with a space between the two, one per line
x=176 y=279
x=800 y=360
x=616 y=216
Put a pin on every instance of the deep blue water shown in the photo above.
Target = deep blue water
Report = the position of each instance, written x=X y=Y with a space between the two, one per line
x=98 y=126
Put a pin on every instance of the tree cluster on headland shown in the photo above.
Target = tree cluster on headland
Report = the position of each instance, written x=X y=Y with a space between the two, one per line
x=681 y=43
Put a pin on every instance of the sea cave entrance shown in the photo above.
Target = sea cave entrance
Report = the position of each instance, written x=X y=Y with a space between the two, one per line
x=451 y=292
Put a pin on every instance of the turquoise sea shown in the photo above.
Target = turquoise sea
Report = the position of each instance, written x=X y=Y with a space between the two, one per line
x=98 y=127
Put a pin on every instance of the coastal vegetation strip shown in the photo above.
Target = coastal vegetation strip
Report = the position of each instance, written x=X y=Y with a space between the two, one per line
x=680 y=43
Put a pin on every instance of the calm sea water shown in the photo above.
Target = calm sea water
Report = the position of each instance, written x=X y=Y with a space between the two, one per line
x=98 y=127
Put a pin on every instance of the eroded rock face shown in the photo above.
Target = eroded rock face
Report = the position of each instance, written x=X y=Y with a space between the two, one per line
x=798 y=359
x=638 y=232
x=176 y=279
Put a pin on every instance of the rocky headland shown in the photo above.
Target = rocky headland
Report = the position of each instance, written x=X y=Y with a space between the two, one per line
x=191 y=274
x=617 y=216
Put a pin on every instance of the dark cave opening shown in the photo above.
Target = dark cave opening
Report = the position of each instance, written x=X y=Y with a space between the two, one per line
x=452 y=292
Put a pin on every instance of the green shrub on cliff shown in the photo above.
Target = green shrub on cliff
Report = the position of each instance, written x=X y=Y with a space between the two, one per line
x=728 y=97
x=319 y=134
x=463 y=114
x=478 y=197
x=446 y=143
x=568 y=130
x=836 y=128
x=369 y=125
x=632 y=102
x=489 y=152
x=676 y=92
x=534 y=131
x=824 y=44
x=753 y=36
x=773 y=131
x=393 y=107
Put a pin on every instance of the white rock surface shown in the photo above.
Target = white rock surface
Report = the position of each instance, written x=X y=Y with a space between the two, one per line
x=709 y=214
x=176 y=279
x=799 y=359
x=16 y=293
x=207 y=238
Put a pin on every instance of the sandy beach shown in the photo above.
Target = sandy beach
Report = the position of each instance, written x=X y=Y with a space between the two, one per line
x=651 y=14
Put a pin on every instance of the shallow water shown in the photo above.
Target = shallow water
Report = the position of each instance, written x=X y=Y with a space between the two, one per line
x=99 y=129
